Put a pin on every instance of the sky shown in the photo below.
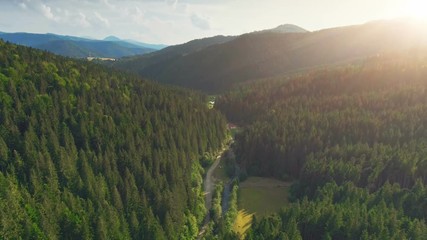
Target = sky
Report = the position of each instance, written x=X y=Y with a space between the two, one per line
x=178 y=21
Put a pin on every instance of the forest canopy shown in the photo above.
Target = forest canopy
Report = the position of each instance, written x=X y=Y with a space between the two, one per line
x=87 y=152
x=353 y=140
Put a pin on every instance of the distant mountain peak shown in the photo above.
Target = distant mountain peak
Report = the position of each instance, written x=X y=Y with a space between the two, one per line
x=284 y=28
x=287 y=28
x=112 y=39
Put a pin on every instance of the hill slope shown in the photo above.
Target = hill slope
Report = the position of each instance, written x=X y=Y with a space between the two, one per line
x=159 y=60
x=353 y=139
x=267 y=54
x=90 y=153
x=76 y=47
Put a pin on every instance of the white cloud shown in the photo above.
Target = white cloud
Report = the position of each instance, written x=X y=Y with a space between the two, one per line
x=82 y=20
x=108 y=4
x=137 y=15
x=200 y=22
x=163 y=21
x=47 y=12
x=172 y=2
x=102 y=19
x=23 y=5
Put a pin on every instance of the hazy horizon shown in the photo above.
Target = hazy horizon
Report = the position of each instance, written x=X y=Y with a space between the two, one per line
x=177 y=21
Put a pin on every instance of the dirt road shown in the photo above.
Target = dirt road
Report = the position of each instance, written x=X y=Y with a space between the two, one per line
x=209 y=183
x=208 y=187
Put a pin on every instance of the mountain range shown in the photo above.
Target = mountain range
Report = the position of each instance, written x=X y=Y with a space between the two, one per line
x=216 y=64
x=77 y=47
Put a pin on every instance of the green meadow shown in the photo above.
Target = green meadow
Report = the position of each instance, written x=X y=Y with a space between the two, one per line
x=259 y=196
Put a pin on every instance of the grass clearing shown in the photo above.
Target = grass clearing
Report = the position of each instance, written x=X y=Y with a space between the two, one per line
x=259 y=196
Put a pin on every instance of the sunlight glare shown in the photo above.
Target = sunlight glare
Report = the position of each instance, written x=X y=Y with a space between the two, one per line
x=417 y=9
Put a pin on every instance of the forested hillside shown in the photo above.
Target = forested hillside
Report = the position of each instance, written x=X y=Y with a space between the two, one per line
x=218 y=68
x=90 y=153
x=151 y=64
x=345 y=135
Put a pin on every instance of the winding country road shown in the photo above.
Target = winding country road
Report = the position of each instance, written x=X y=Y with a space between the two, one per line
x=208 y=187
x=209 y=183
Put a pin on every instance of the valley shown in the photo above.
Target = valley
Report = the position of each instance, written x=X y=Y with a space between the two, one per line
x=210 y=180
x=259 y=134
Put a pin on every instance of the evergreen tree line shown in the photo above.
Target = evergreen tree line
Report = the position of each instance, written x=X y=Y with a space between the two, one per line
x=368 y=117
x=222 y=220
x=348 y=212
x=87 y=152
x=360 y=127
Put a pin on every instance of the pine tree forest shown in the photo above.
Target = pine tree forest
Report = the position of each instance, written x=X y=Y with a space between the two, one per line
x=352 y=139
x=91 y=153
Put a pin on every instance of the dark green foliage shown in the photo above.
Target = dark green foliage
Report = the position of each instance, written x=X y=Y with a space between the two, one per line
x=363 y=123
x=347 y=212
x=230 y=216
x=86 y=152
x=216 y=211
x=153 y=64
x=221 y=226
x=354 y=140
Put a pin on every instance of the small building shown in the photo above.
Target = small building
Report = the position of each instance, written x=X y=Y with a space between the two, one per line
x=100 y=58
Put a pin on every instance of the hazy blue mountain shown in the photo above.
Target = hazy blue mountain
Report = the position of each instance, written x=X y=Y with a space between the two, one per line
x=71 y=46
x=112 y=39
x=133 y=42
x=29 y=39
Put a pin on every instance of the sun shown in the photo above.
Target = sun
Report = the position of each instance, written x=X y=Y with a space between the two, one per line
x=417 y=9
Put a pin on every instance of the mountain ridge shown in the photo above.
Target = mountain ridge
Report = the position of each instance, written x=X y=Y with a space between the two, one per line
x=218 y=67
x=285 y=28
x=113 y=38
x=77 y=47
